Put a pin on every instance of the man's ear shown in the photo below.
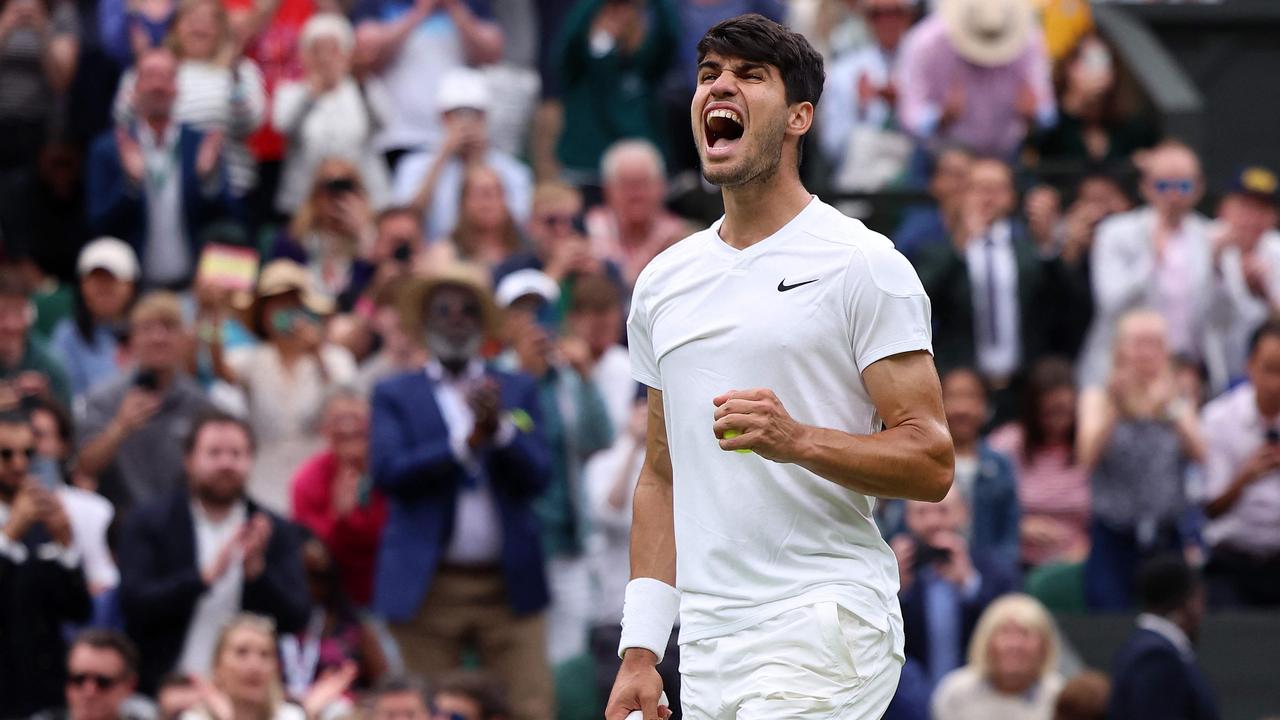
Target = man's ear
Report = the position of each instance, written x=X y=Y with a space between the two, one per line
x=800 y=118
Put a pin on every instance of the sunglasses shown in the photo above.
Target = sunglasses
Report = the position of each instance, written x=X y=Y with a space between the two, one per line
x=7 y=454
x=444 y=309
x=1182 y=186
x=101 y=682
x=557 y=220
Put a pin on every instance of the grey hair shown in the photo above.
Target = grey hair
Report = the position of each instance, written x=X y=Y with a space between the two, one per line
x=611 y=162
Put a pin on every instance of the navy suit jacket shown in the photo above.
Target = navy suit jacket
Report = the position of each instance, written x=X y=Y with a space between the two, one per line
x=1151 y=680
x=414 y=464
x=996 y=580
x=996 y=513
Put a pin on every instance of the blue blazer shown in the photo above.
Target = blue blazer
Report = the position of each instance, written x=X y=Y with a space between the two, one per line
x=995 y=510
x=1151 y=680
x=414 y=465
x=996 y=580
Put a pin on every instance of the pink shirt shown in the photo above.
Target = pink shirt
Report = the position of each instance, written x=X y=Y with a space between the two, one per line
x=1052 y=486
x=607 y=244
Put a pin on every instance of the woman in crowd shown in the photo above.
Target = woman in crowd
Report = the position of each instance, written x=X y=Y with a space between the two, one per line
x=1011 y=671
x=1136 y=438
x=88 y=343
x=246 y=676
x=328 y=113
x=486 y=233
x=1053 y=488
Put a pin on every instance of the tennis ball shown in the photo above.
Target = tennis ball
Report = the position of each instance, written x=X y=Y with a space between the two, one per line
x=731 y=434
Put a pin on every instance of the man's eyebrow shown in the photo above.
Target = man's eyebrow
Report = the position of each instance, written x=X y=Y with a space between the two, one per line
x=709 y=65
x=737 y=68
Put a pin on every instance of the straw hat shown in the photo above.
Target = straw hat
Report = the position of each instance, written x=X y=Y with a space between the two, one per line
x=987 y=32
x=469 y=276
x=280 y=277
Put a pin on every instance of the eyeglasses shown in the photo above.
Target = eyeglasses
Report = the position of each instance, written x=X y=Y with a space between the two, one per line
x=445 y=309
x=101 y=682
x=1182 y=186
x=7 y=453
x=556 y=220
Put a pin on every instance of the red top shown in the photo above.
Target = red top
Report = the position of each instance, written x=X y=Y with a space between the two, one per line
x=276 y=52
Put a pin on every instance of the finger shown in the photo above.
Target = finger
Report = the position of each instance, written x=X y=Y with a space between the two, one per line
x=740 y=407
x=745 y=441
x=741 y=424
x=649 y=706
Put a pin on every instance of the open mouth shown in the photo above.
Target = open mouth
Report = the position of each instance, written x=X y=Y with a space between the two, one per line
x=724 y=128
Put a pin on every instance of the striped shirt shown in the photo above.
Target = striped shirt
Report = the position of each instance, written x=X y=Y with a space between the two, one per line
x=24 y=90
x=1050 y=485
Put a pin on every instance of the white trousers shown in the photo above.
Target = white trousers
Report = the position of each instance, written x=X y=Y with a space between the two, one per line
x=815 y=662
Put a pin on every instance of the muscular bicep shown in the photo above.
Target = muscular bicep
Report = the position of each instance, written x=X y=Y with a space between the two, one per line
x=657 y=456
x=905 y=390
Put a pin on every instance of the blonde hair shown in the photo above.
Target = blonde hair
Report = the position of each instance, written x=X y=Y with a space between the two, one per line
x=305 y=217
x=328 y=25
x=264 y=626
x=159 y=305
x=552 y=192
x=1023 y=610
x=225 y=39
x=1128 y=322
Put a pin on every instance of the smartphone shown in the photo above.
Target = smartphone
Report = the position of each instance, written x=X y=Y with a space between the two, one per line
x=1273 y=436
x=929 y=555
x=340 y=186
x=402 y=254
x=147 y=379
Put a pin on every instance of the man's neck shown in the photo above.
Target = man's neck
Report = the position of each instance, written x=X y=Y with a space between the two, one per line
x=754 y=211
x=635 y=231
x=216 y=510
x=455 y=367
x=159 y=125
x=965 y=448
x=1268 y=410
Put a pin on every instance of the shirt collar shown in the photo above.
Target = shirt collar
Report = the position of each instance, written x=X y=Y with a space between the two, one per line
x=239 y=512
x=1169 y=631
x=473 y=371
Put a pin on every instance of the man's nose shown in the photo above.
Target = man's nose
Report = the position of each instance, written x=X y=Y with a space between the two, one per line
x=725 y=85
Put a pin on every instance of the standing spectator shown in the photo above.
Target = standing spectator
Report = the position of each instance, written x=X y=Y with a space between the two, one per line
x=42 y=583
x=1012 y=669
x=26 y=367
x=1083 y=697
x=1155 y=674
x=88 y=343
x=1136 y=436
x=558 y=246
x=613 y=56
x=191 y=561
x=218 y=92
x=1242 y=481
x=1053 y=489
x=633 y=226
x=486 y=232
x=923 y=226
x=328 y=114
x=1157 y=256
x=332 y=497
x=130 y=437
x=430 y=181
x=975 y=72
x=245 y=674
x=102 y=674
x=156 y=182
x=945 y=586
x=459 y=451
x=595 y=316
x=398 y=351
x=39 y=48
x=468 y=696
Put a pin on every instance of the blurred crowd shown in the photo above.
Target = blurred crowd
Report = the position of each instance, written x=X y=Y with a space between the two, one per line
x=313 y=380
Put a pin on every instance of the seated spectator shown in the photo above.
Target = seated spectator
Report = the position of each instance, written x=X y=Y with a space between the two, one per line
x=1242 y=482
x=975 y=72
x=859 y=131
x=595 y=316
x=157 y=181
x=486 y=232
x=430 y=182
x=613 y=58
x=1157 y=256
x=218 y=92
x=244 y=675
x=26 y=366
x=945 y=586
x=1083 y=697
x=1053 y=489
x=102 y=675
x=39 y=48
x=287 y=377
x=332 y=497
x=42 y=584
x=1136 y=436
x=332 y=233
x=130 y=437
x=400 y=698
x=633 y=225
x=1155 y=674
x=459 y=452
x=1011 y=673
x=191 y=561
x=468 y=696
x=923 y=226
x=327 y=113
x=88 y=344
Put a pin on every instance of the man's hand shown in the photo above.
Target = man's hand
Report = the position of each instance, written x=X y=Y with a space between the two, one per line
x=346 y=490
x=953 y=106
x=25 y=511
x=136 y=409
x=577 y=354
x=131 y=159
x=957 y=569
x=486 y=404
x=638 y=687
x=904 y=549
x=1025 y=104
x=257 y=536
x=1262 y=462
x=226 y=555
x=1043 y=208
x=54 y=517
x=764 y=425
x=208 y=155
x=328 y=688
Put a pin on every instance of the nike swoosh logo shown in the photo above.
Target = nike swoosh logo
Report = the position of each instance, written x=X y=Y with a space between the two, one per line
x=783 y=286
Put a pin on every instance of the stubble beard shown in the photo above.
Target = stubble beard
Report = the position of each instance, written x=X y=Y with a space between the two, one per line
x=755 y=168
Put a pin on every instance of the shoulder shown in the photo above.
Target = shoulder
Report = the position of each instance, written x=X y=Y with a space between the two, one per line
x=107 y=395
x=679 y=254
x=516 y=382
x=871 y=257
x=959 y=684
x=156 y=513
x=394 y=386
x=1122 y=224
x=1228 y=407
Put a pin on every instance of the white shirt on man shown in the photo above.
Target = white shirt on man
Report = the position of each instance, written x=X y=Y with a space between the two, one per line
x=220 y=603
x=993 y=275
x=803 y=312
x=167 y=259
x=1234 y=430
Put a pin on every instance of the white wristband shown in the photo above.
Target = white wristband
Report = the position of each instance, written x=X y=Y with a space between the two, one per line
x=648 y=613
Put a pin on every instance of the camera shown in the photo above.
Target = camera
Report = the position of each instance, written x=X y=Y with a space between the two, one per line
x=148 y=380
x=340 y=186
x=929 y=555
x=1273 y=436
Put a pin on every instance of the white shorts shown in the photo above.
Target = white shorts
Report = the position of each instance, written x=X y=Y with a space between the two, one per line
x=815 y=662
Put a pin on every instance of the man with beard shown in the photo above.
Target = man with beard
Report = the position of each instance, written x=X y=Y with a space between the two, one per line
x=787 y=354
x=192 y=561
x=458 y=449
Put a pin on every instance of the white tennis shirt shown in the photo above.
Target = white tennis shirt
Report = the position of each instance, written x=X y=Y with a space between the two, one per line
x=803 y=313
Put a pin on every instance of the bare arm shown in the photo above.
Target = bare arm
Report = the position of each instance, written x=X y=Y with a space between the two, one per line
x=481 y=39
x=1097 y=421
x=382 y=41
x=653 y=536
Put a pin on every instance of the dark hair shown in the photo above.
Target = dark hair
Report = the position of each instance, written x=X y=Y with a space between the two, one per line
x=61 y=417
x=15 y=416
x=971 y=372
x=594 y=292
x=174 y=680
x=1046 y=376
x=13 y=284
x=756 y=38
x=479 y=687
x=396 y=211
x=335 y=597
x=401 y=685
x=1270 y=328
x=83 y=318
x=1084 y=697
x=1165 y=584
x=104 y=639
x=214 y=416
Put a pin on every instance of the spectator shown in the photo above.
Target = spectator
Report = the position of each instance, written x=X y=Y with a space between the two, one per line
x=1083 y=697
x=131 y=433
x=945 y=586
x=468 y=696
x=26 y=367
x=43 y=213
x=430 y=181
x=88 y=344
x=332 y=497
x=400 y=699
x=245 y=672
x=328 y=113
x=983 y=476
x=1053 y=489
x=397 y=352
x=191 y=561
x=923 y=226
x=613 y=57
x=39 y=48
x=975 y=72
x=1155 y=673
x=218 y=92
x=102 y=674
x=128 y=30
x=42 y=583
x=157 y=181
x=860 y=136
x=596 y=317
x=1136 y=437
x=1242 y=485
x=459 y=451
x=633 y=226
x=486 y=233
x=177 y=694
x=559 y=247
x=1011 y=671
x=1157 y=256
x=410 y=47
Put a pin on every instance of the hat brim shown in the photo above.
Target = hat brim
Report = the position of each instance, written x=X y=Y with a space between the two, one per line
x=413 y=299
x=981 y=51
x=317 y=304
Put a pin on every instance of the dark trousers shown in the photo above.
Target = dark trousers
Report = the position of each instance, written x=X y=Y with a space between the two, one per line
x=1114 y=558
x=604 y=650
x=1239 y=579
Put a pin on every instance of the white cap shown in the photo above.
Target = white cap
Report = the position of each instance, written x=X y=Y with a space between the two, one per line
x=110 y=254
x=463 y=87
x=526 y=282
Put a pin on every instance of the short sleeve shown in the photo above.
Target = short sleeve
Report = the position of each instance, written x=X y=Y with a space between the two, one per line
x=888 y=309
x=644 y=364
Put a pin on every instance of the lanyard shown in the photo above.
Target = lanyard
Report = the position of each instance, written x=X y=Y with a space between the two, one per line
x=301 y=658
